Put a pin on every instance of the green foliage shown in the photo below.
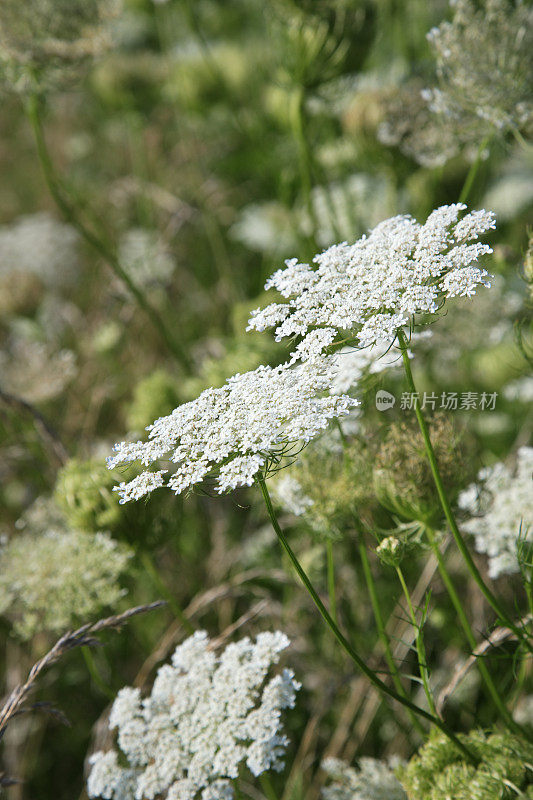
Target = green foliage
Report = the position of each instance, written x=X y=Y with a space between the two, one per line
x=84 y=492
x=438 y=771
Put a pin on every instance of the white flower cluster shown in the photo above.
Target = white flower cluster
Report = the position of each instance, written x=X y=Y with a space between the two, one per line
x=145 y=258
x=52 y=579
x=485 y=65
x=504 y=508
x=35 y=371
x=373 y=287
x=206 y=716
x=235 y=431
x=40 y=245
x=287 y=492
x=373 y=780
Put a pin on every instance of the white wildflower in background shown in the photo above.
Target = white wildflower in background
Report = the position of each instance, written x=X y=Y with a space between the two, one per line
x=370 y=289
x=145 y=258
x=37 y=244
x=288 y=493
x=373 y=780
x=520 y=390
x=235 y=432
x=485 y=65
x=50 y=580
x=35 y=371
x=501 y=510
x=208 y=715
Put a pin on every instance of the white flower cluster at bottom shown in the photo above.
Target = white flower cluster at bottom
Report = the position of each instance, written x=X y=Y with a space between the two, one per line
x=207 y=715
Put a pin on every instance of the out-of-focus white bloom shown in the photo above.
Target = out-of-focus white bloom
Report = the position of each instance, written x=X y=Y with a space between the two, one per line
x=502 y=512
x=143 y=256
x=343 y=209
x=287 y=491
x=207 y=716
x=234 y=432
x=521 y=390
x=35 y=371
x=40 y=245
x=373 y=780
x=370 y=289
x=266 y=227
x=50 y=580
x=485 y=65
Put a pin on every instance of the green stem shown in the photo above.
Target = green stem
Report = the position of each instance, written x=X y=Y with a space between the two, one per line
x=331 y=580
x=70 y=213
x=472 y=172
x=419 y=639
x=266 y=785
x=382 y=633
x=95 y=675
x=161 y=586
x=460 y=542
x=345 y=644
x=463 y=619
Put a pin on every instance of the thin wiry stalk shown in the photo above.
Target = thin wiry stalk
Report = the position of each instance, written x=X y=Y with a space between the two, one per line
x=382 y=633
x=446 y=507
x=419 y=641
x=463 y=619
x=343 y=641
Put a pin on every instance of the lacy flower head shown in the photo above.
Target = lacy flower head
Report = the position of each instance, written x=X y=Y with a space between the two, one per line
x=373 y=780
x=501 y=510
x=208 y=715
x=52 y=579
x=368 y=290
x=485 y=65
x=235 y=432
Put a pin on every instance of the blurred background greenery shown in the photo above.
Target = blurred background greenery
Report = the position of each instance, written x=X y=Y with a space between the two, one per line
x=205 y=142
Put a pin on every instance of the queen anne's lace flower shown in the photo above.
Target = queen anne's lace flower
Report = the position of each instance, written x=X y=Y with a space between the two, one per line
x=504 y=508
x=234 y=432
x=373 y=780
x=50 y=580
x=206 y=716
x=370 y=289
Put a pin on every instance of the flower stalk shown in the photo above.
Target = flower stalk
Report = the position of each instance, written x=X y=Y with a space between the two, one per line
x=343 y=641
x=446 y=507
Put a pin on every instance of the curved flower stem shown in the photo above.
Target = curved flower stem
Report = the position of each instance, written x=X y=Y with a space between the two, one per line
x=419 y=639
x=71 y=215
x=448 y=513
x=345 y=644
x=463 y=619
x=472 y=172
x=382 y=633
x=331 y=579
